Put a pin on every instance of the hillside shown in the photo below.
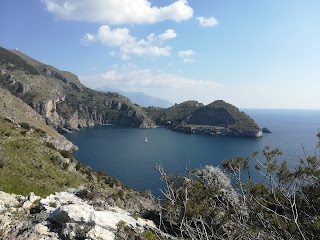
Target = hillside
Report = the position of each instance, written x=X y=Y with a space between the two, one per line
x=35 y=163
x=217 y=118
x=61 y=99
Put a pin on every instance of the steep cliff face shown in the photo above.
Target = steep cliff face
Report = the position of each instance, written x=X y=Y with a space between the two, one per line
x=217 y=118
x=61 y=99
x=15 y=110
x=229 y=120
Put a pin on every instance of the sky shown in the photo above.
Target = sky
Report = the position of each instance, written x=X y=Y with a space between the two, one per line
x=252 y=54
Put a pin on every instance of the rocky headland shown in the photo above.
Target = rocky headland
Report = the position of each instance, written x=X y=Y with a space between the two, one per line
x=216 y=118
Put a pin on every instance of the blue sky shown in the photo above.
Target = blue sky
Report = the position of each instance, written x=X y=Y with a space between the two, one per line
x=253 y=54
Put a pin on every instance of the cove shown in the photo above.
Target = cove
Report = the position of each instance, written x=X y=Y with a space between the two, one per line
x=122 y=153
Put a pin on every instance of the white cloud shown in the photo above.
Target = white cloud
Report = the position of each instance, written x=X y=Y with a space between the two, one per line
x=128 y=77
x=168 y=86
x=107 y=36
x=207 y=22
x=118 y=12
x=186 y=55
x=169 y=34
x=129 y=45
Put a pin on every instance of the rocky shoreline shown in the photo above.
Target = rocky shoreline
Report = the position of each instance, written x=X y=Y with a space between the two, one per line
x=214 y=130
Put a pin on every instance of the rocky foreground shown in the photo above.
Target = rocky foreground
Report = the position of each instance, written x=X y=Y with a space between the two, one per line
x=65 y=215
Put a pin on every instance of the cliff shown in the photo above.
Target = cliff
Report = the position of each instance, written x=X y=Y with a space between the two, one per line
x=60 y=98
x=216 y=118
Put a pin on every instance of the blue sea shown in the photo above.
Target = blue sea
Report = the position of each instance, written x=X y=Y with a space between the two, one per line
x=122 y=153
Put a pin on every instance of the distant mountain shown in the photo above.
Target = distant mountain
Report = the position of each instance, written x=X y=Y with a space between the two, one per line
x=140 y=98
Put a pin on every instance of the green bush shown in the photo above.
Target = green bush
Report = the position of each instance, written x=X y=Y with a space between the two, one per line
x=66 y=154
x=149 y=235
x=40 y=132
x=66 y=165
x=50 y=145
x=78 y=166
x=1 y=158
x=23 y=132
x=25 y=125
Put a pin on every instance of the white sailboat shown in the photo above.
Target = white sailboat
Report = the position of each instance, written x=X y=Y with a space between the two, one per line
x=146 y=140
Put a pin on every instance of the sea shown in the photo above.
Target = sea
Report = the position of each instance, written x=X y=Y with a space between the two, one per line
x=121 y=152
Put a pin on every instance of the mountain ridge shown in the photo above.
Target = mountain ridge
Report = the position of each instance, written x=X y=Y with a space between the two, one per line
x=66 y=104
x=61 y=99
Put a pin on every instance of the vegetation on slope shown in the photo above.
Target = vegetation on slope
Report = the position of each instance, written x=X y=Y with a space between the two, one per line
x=220 y=113
x=285 y=204
x=28 y=165
x=175 y=114
x=14 y=61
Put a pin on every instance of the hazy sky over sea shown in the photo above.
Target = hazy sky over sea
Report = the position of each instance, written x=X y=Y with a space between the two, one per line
x=253 y=54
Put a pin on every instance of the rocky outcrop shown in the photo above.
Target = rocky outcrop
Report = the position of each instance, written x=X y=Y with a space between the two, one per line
x=217 y=118
x=266 y=130
x=64 y=215
x=16 y=111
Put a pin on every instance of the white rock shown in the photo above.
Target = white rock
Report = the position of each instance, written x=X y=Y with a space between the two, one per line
x=7 y=200
x=32 y=197
x=60 y=198
x=38 y=232
x=99 y=233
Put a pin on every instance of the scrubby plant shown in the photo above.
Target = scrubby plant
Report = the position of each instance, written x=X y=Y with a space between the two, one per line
x=66 y=154
x=149 y=235
x=200 y=204
x=25 y=125
x=66 y=165
x=23 y=132
x=124 y=231
x=50 y=145
x=1 y=157
x=53 y=204
x=284 y=204
x=40 y=132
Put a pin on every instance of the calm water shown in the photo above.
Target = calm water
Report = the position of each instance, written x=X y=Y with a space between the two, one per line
x=121 y=152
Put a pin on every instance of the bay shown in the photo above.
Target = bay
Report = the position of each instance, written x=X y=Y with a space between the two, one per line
x=121 y=152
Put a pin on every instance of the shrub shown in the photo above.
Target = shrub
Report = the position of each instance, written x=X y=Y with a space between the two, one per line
x=23 y=132
x=50 y=145
x=200 y=204
x=66 y=165
x=25 y=125
x=40 y=132
x=149 y=235
x=1 y=158
x=284 y=204
x=78 y=166
x=66 y=154
x=53 y=204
